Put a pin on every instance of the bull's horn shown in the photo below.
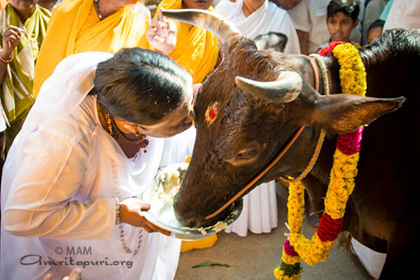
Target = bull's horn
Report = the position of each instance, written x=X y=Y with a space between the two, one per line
x=221 y=27
x=285 y=89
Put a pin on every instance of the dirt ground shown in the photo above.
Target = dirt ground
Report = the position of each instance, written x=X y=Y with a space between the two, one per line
x=256 y=256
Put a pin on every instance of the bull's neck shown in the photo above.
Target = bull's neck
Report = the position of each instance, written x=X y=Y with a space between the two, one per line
x=302 y=153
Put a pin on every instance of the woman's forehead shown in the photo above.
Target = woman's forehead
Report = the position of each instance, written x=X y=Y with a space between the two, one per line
x=173 y=118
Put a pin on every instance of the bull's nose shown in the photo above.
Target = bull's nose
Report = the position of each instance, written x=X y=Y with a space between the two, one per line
x=188 y=219
x=182 y=213
x=182 y=220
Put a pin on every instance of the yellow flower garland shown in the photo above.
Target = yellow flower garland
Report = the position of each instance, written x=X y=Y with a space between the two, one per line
x=341 y=186
x=352 y=71
x=353 y=81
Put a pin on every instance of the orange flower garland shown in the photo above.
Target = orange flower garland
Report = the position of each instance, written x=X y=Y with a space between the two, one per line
x=344 y=170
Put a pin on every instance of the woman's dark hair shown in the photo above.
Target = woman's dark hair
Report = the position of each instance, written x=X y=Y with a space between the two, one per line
x=140 y=86
x=350 y=8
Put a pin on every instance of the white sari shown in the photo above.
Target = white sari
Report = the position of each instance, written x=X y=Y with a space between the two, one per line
x=69 y=188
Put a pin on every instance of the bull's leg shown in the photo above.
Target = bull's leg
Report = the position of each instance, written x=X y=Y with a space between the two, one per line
x=314 y=205
x=402 y=253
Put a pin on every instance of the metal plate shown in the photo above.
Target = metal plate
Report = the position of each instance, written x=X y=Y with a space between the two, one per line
x=162 y=214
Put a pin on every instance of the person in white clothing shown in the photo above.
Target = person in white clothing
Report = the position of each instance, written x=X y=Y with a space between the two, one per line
x=99 y=130
x=403 y=14
x=255 y=17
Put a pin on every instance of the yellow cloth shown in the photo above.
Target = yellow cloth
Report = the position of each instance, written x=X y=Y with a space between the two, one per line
x=198 y=244
x=3 y=3
x=75 y=27
x=196 y=49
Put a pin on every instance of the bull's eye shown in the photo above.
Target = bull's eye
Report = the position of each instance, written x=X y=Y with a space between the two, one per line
x=249 y=153
x=243 y=155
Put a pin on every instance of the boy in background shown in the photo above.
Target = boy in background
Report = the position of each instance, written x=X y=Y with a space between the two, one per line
x=342 y=18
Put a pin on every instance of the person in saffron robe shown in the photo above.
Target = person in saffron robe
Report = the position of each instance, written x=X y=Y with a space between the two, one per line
x=89 y=25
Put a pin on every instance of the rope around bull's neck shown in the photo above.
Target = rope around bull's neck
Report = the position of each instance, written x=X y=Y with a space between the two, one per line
x=324 y=72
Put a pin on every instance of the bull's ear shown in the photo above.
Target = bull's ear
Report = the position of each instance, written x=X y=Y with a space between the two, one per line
x=275 y=41
x=344 y=113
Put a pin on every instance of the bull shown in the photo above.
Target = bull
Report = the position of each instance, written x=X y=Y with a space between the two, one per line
x=257 y=101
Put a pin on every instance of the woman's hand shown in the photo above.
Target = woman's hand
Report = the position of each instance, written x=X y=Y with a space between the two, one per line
x=130 y=213
x=162 y=33
x=11 y=38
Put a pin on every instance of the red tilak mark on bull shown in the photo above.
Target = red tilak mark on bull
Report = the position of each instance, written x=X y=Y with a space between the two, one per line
x=211 y=113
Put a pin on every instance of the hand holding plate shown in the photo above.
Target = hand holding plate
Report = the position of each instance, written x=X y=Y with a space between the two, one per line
x=131 y=212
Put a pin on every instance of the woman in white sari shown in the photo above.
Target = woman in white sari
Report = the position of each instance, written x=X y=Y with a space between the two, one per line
x=80 y=158
x=255 y=17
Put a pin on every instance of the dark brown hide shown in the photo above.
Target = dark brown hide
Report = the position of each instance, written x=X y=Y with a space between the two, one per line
x=249 y=132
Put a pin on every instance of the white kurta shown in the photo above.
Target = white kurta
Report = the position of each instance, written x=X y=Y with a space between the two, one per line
x=59 y=185
x=267 y=18
x=371 y=260
x=259 y=214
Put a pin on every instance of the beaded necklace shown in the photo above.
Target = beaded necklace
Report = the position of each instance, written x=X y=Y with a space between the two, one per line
x=97 y=10
x=141 y=137
x=113 y=127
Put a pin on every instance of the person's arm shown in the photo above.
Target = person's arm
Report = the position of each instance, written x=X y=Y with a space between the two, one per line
x=301 y=19
x=10 y=39
x=287 y=27
x=303 y=41
x=41 y=199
